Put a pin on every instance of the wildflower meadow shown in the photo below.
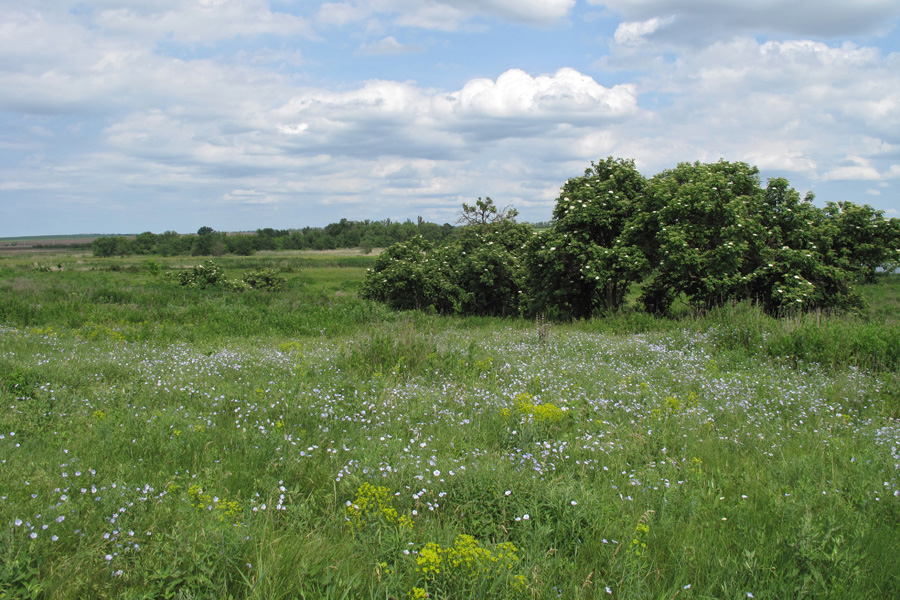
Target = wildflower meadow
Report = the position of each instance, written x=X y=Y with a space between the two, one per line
x=161 y=440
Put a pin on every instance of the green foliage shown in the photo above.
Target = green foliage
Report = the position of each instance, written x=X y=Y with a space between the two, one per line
x=478 y=273
x=484 y=267
x=466 y=568
x=18 y=381
x=110 y=246
x=787 y=268
x=264 y=279
x=694 y=228
x=19 y=577
x=241 y=244
x=207 y=275
x=485 y=212
x=704 y=234
x=153 y=267
x=858 y=239
x=373 y=509
x=408 y=276
x=208 y=242
x=587 y=260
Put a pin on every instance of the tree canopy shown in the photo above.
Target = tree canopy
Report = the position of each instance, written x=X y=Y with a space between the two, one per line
x=700 y=233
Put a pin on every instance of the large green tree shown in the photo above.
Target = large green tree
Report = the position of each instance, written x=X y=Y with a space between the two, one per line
x=588 y=258
x=695 y=226
x=859 y=239
x=787 y=268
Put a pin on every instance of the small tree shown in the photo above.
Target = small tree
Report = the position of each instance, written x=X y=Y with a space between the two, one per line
x=477 y=273
x=207 y=242
x=241 y=244
x=484 y=212
x=484 y=266
x=144 y=243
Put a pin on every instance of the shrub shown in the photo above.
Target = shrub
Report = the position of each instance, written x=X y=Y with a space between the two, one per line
x=478 y=273
x=264 y=279
x=410 y=275
x=207 y=275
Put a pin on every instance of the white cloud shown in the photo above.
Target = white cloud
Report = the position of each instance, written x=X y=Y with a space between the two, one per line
x=695 y=20
x=201 y=21
x=389 y=45
x=798 y=106
x=634 y=32
x=596 y=144
x=567 y=94
x=252 y=197
x=260 y=126
x=403 y=119
x=856 y=168
x=445 y=15
x=777 y=156
x=100 y=74
x=341 y=13
x=536 y=11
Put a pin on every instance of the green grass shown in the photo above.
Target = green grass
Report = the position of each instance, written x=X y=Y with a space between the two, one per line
x=162 y=442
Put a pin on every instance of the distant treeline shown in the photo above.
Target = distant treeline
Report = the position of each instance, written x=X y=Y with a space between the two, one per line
x=208 y=242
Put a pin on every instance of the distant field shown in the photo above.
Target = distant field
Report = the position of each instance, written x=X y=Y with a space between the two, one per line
x=29 y=243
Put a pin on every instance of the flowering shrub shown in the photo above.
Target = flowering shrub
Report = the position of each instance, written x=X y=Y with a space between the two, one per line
x=409 y=276
x=264 y=279
x=205 y=276
x=705 y=233
x=587 y=260
x=210 y=275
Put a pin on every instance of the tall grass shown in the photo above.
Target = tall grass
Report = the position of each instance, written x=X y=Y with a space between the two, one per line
x=160 y=442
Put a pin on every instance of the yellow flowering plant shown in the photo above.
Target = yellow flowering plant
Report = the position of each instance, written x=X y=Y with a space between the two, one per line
x=466 y=565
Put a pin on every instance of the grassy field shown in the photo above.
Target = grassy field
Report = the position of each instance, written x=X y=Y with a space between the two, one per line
x=158 y=441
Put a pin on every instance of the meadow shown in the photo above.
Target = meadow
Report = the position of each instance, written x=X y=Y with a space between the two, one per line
x=159 y=441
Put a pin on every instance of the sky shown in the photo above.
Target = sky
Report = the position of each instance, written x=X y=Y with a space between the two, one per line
x=156 y=115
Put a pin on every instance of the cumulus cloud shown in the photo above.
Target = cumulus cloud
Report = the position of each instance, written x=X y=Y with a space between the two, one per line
x=540 y=11
x=566 y=95
x=795 y=105
x=399 y=118
x=342 y=13
x=414 y=146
